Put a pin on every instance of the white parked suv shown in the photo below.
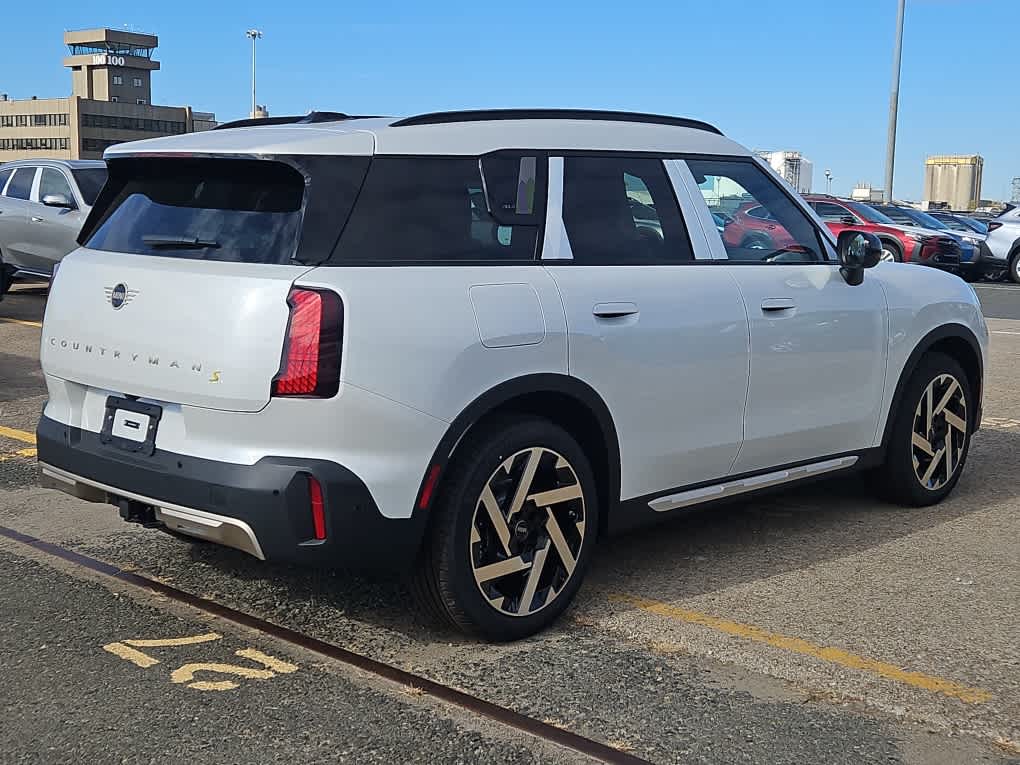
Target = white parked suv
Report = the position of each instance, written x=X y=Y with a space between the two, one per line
x=469 y=345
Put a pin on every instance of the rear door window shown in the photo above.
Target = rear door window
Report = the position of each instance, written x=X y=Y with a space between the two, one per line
x=447 y=209
x=90 y=182
x=5 y=175
x=622 y=211
x=20 y=186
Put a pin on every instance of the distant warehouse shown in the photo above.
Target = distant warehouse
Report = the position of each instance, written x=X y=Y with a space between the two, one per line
x=110 y=102
x=953 y=180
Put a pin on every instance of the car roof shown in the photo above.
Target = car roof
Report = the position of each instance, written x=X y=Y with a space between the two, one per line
x=458 y=133
x=73 y=164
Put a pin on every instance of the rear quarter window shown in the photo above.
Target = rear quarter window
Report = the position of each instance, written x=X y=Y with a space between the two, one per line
x=441 y=209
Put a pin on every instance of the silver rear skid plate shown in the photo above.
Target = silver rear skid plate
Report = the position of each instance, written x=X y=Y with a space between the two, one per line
x=229 y=532
x=751 y=483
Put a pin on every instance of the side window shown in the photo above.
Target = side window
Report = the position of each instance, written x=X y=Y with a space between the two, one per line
x=622 y=211
x=742 y=190
x=829 y=211
x=54 y=182
x=435 y=209
x=20 y=186
x=4 y=177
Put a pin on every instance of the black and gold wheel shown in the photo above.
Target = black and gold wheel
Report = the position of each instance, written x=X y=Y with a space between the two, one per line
x=513 y=529
x=931 y=433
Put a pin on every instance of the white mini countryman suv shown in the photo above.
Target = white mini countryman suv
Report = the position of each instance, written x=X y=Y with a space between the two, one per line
x=468 y=345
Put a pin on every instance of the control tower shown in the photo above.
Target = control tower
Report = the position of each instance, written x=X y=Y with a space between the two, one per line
x=111 y=65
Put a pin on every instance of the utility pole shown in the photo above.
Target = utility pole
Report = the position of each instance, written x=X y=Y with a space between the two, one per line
x=255 y=35
x=894 y=103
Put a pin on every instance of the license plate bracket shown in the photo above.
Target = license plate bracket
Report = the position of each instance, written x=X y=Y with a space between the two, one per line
x=130 y=425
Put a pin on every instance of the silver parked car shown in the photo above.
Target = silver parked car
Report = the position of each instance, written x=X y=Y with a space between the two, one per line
x=1004 y=240
x=43 y=203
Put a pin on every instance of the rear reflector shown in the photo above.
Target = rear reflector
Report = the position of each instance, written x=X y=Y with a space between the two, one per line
x=429 y=488
x=318 y=507
x=311 y=352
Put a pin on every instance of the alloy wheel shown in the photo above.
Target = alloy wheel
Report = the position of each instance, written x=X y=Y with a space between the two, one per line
x=939 y=435
x=888 y=255
x=527 y=531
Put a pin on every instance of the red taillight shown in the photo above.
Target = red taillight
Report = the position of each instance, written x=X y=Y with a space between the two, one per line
x=311 y=352
x=318 y=507
x=994 y=224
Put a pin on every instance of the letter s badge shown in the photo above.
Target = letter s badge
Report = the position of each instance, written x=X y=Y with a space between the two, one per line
x=214 y=377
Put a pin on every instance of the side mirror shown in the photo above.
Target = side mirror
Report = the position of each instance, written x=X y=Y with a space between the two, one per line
x=857 y=251
x=58 y=200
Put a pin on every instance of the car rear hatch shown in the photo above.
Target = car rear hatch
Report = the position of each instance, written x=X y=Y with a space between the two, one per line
x=180 y=293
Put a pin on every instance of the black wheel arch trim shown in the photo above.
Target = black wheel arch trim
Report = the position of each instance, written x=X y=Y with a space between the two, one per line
x=532 y=384
x=946 y=331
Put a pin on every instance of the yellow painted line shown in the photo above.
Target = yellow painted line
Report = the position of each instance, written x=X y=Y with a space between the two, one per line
x=18 y=435
x=22 y=322
x=130 y=654
x=797 y=645
x=165 y=642
x=277 y=665
x=186 y=674
x=31 y=452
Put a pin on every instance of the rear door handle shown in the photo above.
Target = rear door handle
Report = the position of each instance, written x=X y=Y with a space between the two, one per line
x=777 y=304
x=36 y=219
x=614 y=310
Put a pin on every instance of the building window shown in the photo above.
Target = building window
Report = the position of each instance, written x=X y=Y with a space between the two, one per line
x=114 y=99
x=33 y=144
x=138 y=82
x=140 y=101
x=96 y=144
x=118 y=80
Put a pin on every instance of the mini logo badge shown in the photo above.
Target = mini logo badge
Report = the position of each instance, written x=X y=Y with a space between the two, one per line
x=119 y=295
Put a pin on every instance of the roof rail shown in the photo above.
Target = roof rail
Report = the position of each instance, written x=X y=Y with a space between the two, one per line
x=483 y=115
x=300 y=119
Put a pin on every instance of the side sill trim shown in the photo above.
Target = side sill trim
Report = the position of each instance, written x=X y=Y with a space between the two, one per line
x=732 y=488
x=229 y=532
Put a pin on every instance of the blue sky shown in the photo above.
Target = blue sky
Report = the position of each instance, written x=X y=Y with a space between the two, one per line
x=811 y=75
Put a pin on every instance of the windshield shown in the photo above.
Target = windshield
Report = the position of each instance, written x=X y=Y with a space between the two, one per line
x=870 y=214
x=927 y=220
x=90 y=182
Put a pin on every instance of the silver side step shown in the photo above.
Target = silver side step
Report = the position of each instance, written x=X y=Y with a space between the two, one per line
x=742 y=485
x=229 y=532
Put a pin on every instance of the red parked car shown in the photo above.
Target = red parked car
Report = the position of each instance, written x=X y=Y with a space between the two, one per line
x=753 y=228
x=899 y=243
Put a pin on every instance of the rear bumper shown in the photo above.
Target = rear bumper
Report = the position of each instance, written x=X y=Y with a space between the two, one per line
x=262 y=509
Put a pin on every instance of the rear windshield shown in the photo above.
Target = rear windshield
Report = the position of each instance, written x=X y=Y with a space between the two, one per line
x=232 y=210
x=90 y=182
x=274 y=210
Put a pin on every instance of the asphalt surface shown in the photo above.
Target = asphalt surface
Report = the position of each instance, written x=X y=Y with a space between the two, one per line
x=815 y=626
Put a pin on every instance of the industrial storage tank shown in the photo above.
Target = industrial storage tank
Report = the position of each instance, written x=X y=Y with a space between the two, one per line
x=954 y=179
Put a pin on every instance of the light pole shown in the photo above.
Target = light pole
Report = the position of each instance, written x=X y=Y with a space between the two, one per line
x=828 y=181
x=894 y=103
x=254 y=35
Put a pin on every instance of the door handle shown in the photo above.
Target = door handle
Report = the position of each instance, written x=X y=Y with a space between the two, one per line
x=614 y=310
x=36 y=219
x=770 y=305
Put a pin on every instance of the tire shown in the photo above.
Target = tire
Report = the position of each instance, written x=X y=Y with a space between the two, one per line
x=1014 y=267
x=5 y=277
x=942 y=450
x=891 y=252
x=465 y=538
x=757 y=242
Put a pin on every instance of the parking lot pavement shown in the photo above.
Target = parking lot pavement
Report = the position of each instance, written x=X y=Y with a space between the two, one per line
x=814 y=626
x=999 y=300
